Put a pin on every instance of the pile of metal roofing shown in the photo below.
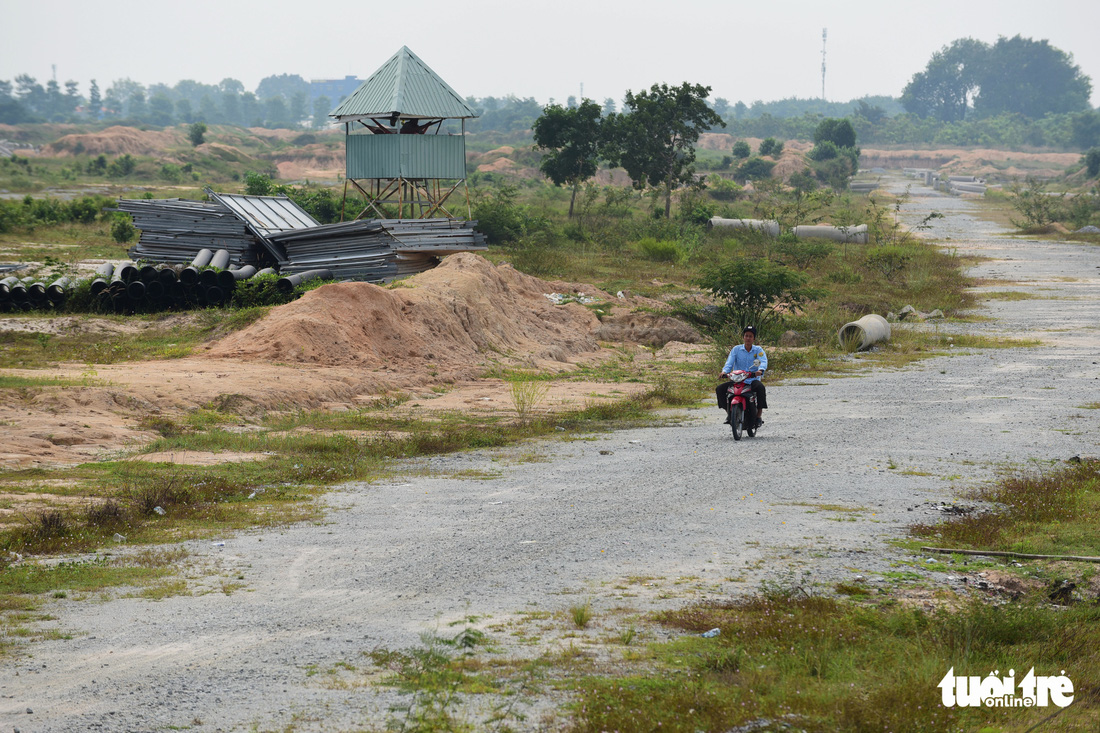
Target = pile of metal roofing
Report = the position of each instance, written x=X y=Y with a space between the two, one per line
x=352 y=250
x=273 y=230
x=173 y=231
x=421 y=242
x=377 y=249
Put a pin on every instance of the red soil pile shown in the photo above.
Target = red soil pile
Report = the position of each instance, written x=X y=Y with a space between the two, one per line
x=115 y=141
x=453 y=320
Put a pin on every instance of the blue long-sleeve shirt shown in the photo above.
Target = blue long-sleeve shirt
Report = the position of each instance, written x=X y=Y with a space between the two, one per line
x=754 y=360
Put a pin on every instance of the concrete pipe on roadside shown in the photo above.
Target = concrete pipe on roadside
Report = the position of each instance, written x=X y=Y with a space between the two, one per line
x=968 y=187
x=864 y=333
x=857 y=234
x=287 y=284
x=764 y=226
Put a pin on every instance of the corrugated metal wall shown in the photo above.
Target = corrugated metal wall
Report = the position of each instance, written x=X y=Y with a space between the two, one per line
x=406 y=156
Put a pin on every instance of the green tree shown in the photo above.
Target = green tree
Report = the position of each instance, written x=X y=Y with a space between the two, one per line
x=1092 y=163
x=183 y=111
x=95 y=102
x=838 y=132
x=281 y=85
x=572 y=138
x=1085 y=129
x=196 y=132
x=1031 y=78
x=944 y=88
x=160 y=110
x=771 y=147
x=741 y=150
x=321 y=107
x=654 y=138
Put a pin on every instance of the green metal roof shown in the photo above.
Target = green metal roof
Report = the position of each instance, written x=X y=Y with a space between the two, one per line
x=403 y=86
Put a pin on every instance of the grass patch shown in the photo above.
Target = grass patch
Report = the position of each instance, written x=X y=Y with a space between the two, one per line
x=822 y=664
x=139 y=338
x=1052 y=513
x=1009 y=295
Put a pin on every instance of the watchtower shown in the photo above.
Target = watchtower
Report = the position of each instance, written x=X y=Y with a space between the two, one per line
x=397 y=151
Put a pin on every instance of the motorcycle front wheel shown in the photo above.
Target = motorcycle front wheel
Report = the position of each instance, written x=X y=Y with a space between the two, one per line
x=737 y=417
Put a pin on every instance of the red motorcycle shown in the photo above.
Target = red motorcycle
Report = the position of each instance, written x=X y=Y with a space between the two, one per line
x=741 y=405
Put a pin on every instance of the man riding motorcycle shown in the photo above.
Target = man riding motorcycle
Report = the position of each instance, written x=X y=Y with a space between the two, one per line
x=750 y=358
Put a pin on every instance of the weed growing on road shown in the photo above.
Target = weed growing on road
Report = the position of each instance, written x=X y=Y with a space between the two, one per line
x=581 y=615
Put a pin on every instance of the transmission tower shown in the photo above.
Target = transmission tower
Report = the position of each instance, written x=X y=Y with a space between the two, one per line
x=824 y=35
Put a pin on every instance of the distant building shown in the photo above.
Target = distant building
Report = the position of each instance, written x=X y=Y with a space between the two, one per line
x=334 y=89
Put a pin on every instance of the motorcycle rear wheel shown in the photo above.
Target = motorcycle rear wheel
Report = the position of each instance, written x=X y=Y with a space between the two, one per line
x=737 y=417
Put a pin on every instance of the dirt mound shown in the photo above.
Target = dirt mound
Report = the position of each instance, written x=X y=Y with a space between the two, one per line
x=983 y=162
x=790 y=161
x=115 y=141
x=446 y=321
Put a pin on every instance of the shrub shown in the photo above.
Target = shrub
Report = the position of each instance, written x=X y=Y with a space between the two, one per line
x=1092 y=162
x=771 y=147
x=825 y=150
x=659 y=251
x=753 y=291
x=196 y=132
x=723 y=189
x=753 y=169
x=741 y=150
x=889 y=260
x=122 y=228
x=1032 y=202
x=502 y=220
x=537 y=255
x=122 y=166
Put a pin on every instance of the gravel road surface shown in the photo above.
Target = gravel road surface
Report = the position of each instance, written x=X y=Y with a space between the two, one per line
x=627 y=522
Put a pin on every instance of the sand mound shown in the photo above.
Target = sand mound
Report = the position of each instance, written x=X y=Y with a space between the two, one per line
x=449 y=320
x=115 y=141
x=1002 y=164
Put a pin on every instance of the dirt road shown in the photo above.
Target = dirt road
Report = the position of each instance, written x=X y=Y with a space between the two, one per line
x=628 y=522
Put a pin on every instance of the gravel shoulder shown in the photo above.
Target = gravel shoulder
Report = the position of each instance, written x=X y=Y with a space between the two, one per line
x=628 y=522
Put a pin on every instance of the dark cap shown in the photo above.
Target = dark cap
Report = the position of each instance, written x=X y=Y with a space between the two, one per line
x=749 y=329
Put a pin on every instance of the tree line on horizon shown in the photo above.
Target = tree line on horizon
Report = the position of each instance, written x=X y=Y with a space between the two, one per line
x=1015 y=92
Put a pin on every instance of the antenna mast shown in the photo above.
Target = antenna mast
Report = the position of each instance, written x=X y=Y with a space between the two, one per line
x=824 y=35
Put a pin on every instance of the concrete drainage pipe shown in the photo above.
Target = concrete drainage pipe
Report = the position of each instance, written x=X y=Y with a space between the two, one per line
x=864 y=333
x=857 y=234
x=765 y=226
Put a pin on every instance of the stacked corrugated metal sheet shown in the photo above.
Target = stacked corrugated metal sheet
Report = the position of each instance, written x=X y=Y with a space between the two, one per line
x=261 y=230
x=173 y=231
x=352 y=250
x=421 y=242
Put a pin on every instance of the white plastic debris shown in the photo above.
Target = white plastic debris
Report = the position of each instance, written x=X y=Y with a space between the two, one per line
x=119 y=537
x=159 y=510
x=619 y=294
x=219 y=544
x=710 y=634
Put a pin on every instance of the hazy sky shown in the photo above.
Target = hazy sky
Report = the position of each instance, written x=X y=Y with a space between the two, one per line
x=760 y=50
